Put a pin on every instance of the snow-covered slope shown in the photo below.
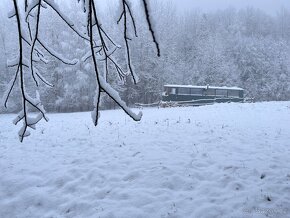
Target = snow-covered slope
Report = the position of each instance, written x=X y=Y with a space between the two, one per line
x=224 y=160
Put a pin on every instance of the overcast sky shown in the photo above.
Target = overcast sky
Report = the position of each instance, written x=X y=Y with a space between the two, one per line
x=270 y=6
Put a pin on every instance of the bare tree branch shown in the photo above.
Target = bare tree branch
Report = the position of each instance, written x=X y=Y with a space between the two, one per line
x=101 y=83
x=102 y=49
x=71 y=25
x=56 y=55
x=11 y=84
x=126 y=42
x=34 y=40
x=150 y=27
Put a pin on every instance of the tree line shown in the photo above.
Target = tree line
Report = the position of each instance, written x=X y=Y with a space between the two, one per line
x=247 y=48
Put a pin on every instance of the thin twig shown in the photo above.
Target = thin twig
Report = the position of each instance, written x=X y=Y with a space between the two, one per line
x=150 y=27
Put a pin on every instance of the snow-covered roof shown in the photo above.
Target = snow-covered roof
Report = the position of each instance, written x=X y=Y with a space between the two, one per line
x=203 y=87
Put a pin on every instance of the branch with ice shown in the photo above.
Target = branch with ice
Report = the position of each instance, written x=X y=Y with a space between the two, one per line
x=35 y=40
x=102 y=49
x=9 y=88
x=126 y=10
x=105 y=54
x=101 y=82
x=57 y=55
x=27 y=101
x=28 y=120
x=116 y=97
x=71 y=25
x=27 y=61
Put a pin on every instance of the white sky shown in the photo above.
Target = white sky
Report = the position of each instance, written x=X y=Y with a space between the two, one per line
x=269 y=6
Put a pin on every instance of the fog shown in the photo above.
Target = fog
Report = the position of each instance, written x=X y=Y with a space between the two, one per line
x=226 y=43
x=269 y=6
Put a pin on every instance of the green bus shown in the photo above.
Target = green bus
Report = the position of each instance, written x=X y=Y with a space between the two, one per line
x=200 y=95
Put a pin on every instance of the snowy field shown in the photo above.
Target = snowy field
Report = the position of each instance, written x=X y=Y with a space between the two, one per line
x=224 y=160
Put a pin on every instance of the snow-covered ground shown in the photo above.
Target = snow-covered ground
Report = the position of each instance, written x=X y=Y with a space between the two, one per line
x=224 y=160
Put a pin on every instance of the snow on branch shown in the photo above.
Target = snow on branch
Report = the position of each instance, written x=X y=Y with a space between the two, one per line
x=116 y=97
x=101 y=82
x=57 y=55
x=102 y=48
x=55 y=7
x=27 y=101
x=27 y=60
x=124 y=15
x=9 y=88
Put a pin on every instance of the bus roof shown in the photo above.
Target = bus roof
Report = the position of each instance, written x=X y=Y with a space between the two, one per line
x=203 y=87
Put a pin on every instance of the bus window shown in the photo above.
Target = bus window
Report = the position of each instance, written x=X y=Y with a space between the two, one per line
x=233 y=93
x=196 y=91
x=183 y=91
x=221 y=92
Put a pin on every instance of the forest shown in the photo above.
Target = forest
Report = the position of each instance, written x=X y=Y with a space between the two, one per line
x=247 y=48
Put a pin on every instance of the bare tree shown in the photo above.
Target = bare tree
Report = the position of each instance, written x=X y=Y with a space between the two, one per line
x=101 y=48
